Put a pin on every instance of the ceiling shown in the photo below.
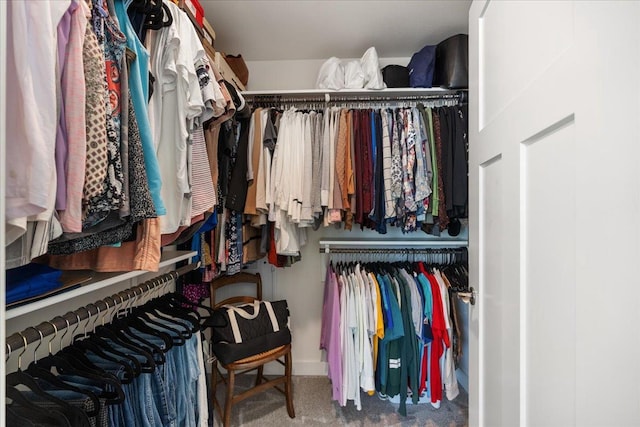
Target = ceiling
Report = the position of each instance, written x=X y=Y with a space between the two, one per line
x=318 y=29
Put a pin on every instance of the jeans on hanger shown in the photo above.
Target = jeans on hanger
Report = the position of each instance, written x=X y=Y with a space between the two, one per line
x=119 y=415
x=162 y=381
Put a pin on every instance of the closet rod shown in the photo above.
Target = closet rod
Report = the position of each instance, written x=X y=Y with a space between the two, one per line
x=327 y=246
x=32 y=334
x=461 y=96
x=393 y=250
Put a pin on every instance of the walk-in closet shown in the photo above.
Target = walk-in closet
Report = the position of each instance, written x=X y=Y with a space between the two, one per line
x=419 y=213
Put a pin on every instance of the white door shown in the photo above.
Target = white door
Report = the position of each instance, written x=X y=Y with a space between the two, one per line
x=555 y=213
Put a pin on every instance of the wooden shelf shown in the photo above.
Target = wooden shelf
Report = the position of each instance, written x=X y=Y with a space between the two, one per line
x=98 y=281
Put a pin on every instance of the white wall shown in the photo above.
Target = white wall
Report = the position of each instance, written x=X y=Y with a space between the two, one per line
x=294 y=74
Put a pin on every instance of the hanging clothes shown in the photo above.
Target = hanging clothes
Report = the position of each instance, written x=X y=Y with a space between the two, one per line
x=375 y=167
x=143 y=369
x=388 y=327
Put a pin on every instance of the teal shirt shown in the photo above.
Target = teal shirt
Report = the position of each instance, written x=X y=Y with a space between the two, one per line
x=139 y=87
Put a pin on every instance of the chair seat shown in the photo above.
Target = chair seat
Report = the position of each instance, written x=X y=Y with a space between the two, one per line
x=274 y=353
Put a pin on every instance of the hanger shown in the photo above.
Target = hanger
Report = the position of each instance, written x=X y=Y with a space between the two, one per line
x=102 y=335
x=143 y=316
x=105 y=350
x=165 y=306
x=69 y=364
x=23 y=379
x=45 y=375
x=36 y=413
x=125 y=329
x=155 y=13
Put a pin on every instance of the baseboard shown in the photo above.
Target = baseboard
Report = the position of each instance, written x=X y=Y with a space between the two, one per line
x=303 y=368
x=463 y=379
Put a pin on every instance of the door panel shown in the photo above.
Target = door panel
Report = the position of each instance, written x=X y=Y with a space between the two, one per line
x=498 y=341
x=548 y=188
x=554 y=156
x=505 y=34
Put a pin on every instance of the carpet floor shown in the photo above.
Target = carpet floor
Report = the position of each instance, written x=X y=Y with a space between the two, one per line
x=314 y=407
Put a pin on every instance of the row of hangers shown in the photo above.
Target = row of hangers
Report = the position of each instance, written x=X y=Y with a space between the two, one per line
x=309 y=105
x=166 y=316
x=452 y=262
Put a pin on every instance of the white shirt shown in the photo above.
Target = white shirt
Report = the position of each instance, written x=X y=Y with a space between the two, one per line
x=33 y=114
x=306 y=214
x=176 y=103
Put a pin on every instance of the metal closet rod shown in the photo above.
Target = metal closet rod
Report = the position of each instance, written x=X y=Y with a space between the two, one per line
x=461 y=96
x=32 y=334
x=393 y=250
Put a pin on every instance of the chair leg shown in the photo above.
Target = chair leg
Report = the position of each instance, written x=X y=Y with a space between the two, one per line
x=231 y=379
x=214 y=378
x=288 y=387
x=214 y=388
x=259 y=375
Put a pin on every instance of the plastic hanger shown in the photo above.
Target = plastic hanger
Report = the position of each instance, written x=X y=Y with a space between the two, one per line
x=124 y=331
x=36 y=413
x=45 y=375
x=102 y=335
x=22 y=378
x=99 y=347
x=68 y=364
x=142 y=314
x=163 y=309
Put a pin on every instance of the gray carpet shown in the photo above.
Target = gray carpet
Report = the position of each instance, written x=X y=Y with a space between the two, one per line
x=314 y=407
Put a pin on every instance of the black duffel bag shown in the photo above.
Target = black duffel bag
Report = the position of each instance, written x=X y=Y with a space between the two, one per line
x=240 y=331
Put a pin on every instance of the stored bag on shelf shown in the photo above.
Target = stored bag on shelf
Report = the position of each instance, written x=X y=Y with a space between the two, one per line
x=452 y=63
x=395 y=76
x=421 y=67
x=237 y=64
x=240 y=331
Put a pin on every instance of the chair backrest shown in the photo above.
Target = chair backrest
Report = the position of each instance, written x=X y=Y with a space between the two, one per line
x=240 y=278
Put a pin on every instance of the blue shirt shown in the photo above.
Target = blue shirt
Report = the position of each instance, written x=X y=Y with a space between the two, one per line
x=139 y=87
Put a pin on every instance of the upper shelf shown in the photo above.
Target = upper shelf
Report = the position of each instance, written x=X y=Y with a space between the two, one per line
x=98 y=281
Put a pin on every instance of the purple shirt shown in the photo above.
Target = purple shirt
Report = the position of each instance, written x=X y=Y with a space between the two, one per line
x=330 y=332
x=64 y=28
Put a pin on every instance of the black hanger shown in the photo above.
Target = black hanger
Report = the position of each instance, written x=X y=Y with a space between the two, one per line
x=100 y=348
x=36 y=413
x=182 y=306
x=22 y=378
x=45 y=375
x=95 y=344
x=124 y=332
x=136 y=324
x=78 y=365
x=157 y=15
x=116 y=330
x=164 y=308
x=103 y=336
x=179 y=337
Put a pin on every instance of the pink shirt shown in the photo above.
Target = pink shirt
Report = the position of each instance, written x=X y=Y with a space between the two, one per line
x=330 y=332
x=74 y=95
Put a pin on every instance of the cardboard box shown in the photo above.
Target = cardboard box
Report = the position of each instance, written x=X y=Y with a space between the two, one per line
x=227 y=72
x=195 y=12
x=208 y=33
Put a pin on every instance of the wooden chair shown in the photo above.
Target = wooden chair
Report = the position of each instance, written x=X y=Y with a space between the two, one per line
x=248 y=364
